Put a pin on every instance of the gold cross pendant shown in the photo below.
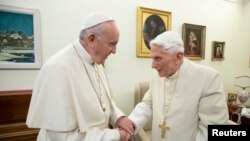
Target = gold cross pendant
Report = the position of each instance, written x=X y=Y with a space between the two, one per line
x=163 y=127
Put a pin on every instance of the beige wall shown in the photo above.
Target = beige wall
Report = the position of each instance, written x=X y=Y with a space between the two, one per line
x=61 y=22
x=246 y=41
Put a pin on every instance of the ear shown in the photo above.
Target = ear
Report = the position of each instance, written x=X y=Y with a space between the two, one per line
x=179 y=56
x=91 y=38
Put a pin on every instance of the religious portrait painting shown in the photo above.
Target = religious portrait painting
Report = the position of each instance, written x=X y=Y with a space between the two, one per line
x=194 y=41
x=20 y=46
x=232 y=99
x=218 y=50
x=150 y=23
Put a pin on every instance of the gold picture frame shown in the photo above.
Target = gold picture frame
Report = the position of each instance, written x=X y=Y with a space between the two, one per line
x=232 y=99
x=194 y=41
x=218 y=49
x=150 y=23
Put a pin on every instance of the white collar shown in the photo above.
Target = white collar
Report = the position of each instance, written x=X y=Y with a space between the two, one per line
x=182 y=69
x=82 y=52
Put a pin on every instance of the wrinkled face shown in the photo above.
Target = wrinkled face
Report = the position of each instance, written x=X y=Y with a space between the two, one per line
x=165 y=63
x=105 y=43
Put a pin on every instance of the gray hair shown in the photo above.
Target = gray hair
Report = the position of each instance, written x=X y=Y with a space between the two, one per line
x=95 y=29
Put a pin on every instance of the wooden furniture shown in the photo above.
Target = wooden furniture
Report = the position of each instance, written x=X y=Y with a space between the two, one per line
x=234 y=110
x=14 y=107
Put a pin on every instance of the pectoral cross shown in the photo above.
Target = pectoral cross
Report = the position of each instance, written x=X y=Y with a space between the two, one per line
x=163 y=127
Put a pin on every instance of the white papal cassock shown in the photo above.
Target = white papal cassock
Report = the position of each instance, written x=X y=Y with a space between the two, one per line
x=198 y=100
x=65 y=100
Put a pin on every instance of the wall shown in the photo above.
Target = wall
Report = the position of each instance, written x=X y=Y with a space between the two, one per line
x=246 y=42
x=61 y=21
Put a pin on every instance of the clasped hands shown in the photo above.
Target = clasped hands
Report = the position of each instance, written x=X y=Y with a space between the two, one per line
x=126 y=128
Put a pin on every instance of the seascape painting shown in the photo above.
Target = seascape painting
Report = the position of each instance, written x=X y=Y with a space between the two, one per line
x=16 y=37
x=19 y=47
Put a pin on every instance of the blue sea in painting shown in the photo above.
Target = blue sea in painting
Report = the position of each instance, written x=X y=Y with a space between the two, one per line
x=16 y=22
x=16 y=37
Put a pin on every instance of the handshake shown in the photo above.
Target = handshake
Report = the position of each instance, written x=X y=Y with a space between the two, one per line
x=126 y=128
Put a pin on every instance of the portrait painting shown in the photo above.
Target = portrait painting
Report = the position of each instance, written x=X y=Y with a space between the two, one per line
x=218 y=50
x=194 y=41
x=232 y=99
x=150 y=23
x=20 y=46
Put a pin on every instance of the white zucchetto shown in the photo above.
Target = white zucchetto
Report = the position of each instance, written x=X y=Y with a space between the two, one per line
x=167 y=40
x=95 y=19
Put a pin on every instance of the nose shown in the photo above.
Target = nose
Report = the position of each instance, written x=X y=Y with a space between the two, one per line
x=153 y=65
x=113 y=50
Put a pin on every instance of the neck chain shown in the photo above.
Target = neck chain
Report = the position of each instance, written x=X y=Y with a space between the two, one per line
x=99 y=92
x=99 y=87
x=163 y=127
x=165 y=109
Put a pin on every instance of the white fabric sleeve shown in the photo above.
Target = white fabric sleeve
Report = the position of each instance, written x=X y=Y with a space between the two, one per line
x=202 y=134
x=141 y=115
x=143 y=111
x=94 y=134
x=212 y=107
x=116 y=113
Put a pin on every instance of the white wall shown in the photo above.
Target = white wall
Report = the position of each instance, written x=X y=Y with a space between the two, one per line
x=61 y=21
x=246 y=42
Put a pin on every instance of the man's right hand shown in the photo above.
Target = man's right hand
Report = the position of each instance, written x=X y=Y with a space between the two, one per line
x=126 y=124
x=124 y=136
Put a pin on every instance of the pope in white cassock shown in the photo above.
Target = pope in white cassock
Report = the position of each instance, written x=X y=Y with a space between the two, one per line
x=71 y=99
x=183 y=98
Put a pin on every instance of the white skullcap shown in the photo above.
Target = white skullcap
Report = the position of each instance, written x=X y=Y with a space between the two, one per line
x=167 y=40
x=95 y=19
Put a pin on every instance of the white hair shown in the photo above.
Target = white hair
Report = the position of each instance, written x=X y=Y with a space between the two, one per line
x=169 y=41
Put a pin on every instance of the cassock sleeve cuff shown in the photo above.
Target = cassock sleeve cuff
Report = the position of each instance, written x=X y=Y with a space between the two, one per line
x=115 y=115
x=140 y=115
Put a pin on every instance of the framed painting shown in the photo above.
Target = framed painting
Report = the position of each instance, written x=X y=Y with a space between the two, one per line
x=232 y=99
x=194 y=41
x=20 y=44
x=218 y=50
x=150 y=23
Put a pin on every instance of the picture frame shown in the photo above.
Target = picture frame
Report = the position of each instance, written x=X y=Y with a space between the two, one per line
x=150 y=23
x=218 y=50
x=20 y=39
x=232 y=99
x=194 y=37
